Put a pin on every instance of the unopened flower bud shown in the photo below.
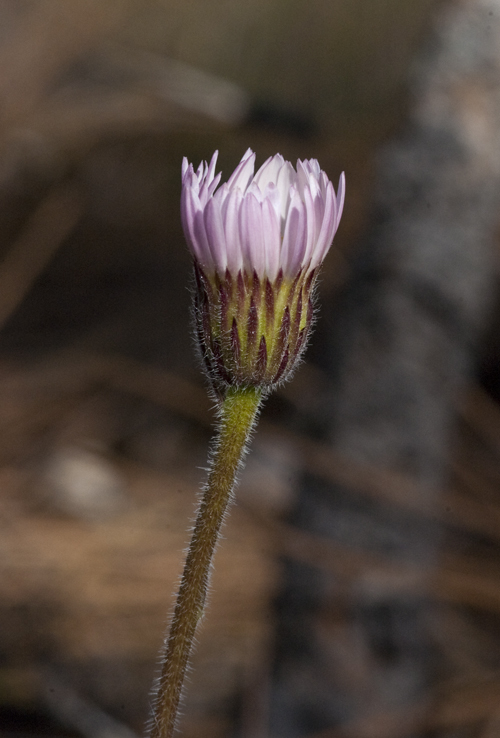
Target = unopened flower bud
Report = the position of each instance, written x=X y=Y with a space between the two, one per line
x=257 y=243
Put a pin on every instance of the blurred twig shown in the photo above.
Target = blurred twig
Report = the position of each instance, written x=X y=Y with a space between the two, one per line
x=483 y=414
x=190 y=400
x=64 y=85
x=46 y=229
x=194 y=90
x=462 y=580
x=398 y=723
x=459 y=579
x=79 y=713
x=48 y=37
x=464 y=707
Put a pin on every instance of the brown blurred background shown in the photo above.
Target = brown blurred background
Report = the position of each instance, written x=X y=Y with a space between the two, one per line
x=356 y=593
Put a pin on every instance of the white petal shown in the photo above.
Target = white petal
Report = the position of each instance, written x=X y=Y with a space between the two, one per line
x=243 y=173
x=210 y=181
x=272 y=239
x=319 y=211
x=314 y=186
x=269 y=171
x=211 y=168
x=254 y=189
x=230 y=217
x=323 y=183
x=279 y=218
x=222 y=194
x=286 y=176
x=303 y=177
x=312 y=167
x=252 y=236
x=294 y=238
x=273 y=195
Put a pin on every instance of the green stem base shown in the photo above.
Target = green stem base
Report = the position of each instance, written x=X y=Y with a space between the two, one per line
x=237 y=417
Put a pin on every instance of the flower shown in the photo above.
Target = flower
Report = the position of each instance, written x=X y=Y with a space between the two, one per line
x=257 y=243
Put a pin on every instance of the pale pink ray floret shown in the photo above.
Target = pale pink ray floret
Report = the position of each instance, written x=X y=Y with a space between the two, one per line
x=276 y=219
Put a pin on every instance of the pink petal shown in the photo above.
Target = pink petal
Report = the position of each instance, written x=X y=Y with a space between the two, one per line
x=204 y=253
x=189 y=208
x=312 y=226
x=213 y=185
x=194 y=229
x=328 y=227
x=200 y=171
x=215 y=235
x=340 y=198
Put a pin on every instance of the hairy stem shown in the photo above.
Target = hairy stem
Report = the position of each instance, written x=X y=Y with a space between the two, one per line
x=237 y=417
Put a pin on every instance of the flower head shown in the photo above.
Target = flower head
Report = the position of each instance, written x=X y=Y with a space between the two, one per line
x=257 y=241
